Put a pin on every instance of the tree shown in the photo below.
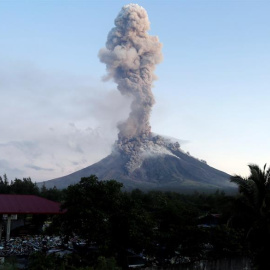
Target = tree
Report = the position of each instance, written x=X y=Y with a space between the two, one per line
x=254 y=208
x=4 y=185
x=52 y=194
x=18 y=186
x=91 y=206
x=25 y=186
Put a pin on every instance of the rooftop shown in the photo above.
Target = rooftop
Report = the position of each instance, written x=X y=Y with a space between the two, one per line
x=27 y=204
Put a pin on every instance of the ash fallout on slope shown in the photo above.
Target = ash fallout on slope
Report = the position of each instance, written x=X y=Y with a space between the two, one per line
x=131 y=55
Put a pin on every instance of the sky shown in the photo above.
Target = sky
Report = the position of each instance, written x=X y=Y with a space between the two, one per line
x=57 y=115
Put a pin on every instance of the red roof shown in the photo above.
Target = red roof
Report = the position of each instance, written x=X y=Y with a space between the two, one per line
x=27 y=204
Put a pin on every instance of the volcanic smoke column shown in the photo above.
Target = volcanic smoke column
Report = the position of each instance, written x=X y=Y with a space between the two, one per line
x=130 y=57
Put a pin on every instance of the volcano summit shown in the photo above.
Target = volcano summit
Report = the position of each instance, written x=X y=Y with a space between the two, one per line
x=139 y=158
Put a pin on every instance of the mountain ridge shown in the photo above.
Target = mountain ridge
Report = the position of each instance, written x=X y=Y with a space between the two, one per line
x=177 y=171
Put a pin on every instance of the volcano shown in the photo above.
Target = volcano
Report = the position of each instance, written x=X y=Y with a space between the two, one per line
x=139 y=158
x=159 y=164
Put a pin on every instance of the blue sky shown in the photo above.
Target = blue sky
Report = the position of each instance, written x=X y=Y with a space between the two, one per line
x=58 y=116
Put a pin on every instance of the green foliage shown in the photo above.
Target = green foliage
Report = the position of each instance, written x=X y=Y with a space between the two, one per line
x=226 y=241
x=17 y=186
x=52 y=194
x=26 y=186
x=156 y=222
x=4 y=185
x=41 y=261
x=159 y=224
x=106 y=264
x=252 y=212
x=91 y=205
x=9 y=264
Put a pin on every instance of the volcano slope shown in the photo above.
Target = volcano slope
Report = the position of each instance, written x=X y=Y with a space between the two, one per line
x=155 y=164
x=141 y=159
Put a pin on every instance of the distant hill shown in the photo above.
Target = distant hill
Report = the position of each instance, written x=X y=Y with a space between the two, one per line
x=176 y=171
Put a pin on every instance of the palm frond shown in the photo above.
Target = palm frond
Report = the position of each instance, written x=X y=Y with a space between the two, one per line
x=258 y=176
x=246 y=187
x=267 y=176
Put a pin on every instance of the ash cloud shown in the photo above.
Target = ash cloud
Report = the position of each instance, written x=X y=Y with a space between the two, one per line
x=36 y=108
x=130 y=57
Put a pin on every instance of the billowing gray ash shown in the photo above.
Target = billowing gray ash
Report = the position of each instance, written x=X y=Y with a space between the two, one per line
x=130 y=57
x=141 y=159
x=135 y=150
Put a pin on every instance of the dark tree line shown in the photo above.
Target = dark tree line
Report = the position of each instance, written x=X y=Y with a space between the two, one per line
x=26 y=186
x=161 y=225
x=158 y=224
x=252 y=213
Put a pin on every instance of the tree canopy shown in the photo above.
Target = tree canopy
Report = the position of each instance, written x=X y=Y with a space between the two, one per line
x=252 y=212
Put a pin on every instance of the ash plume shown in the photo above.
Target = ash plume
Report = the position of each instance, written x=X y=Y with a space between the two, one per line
x=140 y=158
x=131 y=55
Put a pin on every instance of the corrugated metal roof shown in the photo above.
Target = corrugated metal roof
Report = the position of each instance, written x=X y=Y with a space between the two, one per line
x=27 y=204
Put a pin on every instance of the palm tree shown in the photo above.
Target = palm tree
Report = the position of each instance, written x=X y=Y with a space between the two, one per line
x=254 y=209
x=255 y=188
